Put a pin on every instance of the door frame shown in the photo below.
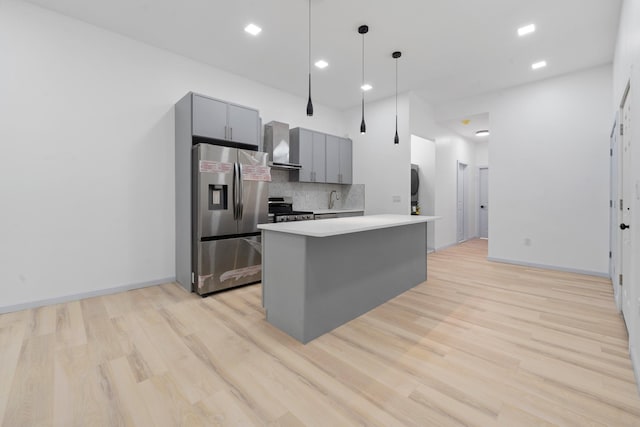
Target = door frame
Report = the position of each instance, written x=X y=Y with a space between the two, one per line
x=478 y=201
x=614 y=211
x=628 y=278
x=465 y=208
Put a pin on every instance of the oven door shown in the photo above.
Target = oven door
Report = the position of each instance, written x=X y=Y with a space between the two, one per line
x=227 y=263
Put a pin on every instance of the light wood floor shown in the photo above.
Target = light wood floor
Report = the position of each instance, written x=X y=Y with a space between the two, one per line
x=478 y=344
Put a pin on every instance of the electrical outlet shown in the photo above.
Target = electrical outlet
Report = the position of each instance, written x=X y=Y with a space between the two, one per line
x=396 y=199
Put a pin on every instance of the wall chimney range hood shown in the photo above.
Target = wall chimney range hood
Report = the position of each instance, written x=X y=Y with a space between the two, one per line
x=276 y=143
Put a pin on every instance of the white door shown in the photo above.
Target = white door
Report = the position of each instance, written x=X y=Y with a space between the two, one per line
x=626 y=191
x=483 y=179
x=614 y=215
x=461 y=208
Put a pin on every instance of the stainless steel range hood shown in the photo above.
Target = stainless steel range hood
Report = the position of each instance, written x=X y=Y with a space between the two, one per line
x=276 y=143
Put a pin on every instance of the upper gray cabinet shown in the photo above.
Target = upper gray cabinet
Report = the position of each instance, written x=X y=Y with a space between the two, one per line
x=339 y=160
x=308 y=148
x=221 y=120
x=319 y=152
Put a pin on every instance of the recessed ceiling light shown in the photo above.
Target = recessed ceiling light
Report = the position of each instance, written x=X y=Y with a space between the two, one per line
x=253 y=29
x=540 y=64
x=483 y=132
x=321 y=64
x=527 y=29
x=365 y=87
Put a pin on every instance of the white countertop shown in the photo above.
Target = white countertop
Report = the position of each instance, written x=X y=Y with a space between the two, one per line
x=337 y=226
x=336 y=211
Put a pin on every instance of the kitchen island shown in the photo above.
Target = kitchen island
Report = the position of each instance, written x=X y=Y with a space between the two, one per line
x=318 y=275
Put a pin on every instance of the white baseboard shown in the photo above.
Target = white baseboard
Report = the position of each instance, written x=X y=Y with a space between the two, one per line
x=83 y=295
x=446 y=246
x=550 y=267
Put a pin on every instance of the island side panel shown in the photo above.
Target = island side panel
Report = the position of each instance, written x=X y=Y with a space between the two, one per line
x=348 y=275
x=283 y=273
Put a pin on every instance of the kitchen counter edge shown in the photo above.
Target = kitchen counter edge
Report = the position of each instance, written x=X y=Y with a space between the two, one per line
x=335 y=211
x=339 y=226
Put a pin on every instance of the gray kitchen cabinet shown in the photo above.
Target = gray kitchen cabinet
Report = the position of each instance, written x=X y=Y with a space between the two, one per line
x=333 y=159
x=221 y=120
x=308 y=148
x=209 y=117
x=346 y=161
x=319 y=157
x=244 y=125
x=339 y=160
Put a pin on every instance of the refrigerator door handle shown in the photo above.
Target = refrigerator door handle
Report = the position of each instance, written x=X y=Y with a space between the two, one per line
x=241 y=192
x=235 y=191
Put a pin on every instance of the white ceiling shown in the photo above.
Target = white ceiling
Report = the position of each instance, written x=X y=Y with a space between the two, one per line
x=451 y=48
x=468 y=126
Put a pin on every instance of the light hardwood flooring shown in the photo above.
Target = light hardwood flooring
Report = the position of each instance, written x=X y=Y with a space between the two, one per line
x=478 y=344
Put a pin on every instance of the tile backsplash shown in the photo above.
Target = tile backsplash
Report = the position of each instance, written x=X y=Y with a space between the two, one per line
x=311 y=195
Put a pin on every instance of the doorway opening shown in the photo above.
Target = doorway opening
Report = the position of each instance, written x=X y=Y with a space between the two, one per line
x=626 y=215
x=483 y=202
x=462 y=211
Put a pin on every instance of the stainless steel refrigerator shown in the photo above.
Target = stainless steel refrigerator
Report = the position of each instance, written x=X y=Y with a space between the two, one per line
x=230 y=193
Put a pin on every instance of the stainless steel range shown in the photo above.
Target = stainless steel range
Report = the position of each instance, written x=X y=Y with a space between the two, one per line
x=281 y=210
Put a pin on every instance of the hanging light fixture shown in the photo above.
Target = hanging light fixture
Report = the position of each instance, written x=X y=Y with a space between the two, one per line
x=309 y=103
x=363 y=29
x=396 y=55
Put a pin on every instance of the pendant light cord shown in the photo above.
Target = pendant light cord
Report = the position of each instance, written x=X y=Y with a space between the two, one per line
x=309 y=102
x=396 y=55
x=309 y=39
x=362 y=68
x=362 y=87
x=395 y=139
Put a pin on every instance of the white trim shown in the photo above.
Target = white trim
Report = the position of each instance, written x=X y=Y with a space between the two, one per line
x=450 y=245
x=83 y=295
x=550 y=267
x=465 y=207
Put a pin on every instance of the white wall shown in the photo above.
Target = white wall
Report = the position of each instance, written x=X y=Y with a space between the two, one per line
x=449 y=151
x=482 y=153
x=423 y=154
x=381 y=165
x=86 y=153
x=626 y=67
x=450 y=148
x=549 y=182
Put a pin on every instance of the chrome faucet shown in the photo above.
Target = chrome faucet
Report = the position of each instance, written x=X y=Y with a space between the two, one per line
x=331 y=201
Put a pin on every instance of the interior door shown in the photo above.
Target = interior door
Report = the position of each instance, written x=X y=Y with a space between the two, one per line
x=626 y=213
x=461 y=236
x=254 y=209
x=213 y=168
x=483 y=179
x=614 y=217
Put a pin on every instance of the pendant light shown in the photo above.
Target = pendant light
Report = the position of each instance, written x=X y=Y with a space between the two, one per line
x=309 y=103
x=363 y=29
x=395 y=56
